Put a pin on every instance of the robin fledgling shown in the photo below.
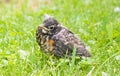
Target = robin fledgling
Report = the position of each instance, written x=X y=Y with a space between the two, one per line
x=55 y=39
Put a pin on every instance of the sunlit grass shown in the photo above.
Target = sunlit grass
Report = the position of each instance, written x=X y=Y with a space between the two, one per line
x=96 y=22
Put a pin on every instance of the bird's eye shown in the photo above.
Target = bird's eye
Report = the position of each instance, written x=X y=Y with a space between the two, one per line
x=51 y=27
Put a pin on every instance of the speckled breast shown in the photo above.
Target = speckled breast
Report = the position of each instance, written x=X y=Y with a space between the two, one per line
x=41 y=40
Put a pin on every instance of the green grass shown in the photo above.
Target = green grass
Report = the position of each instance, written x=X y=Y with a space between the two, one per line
x=94 y=21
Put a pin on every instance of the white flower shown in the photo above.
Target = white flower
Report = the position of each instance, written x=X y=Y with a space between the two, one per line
x=7 y=52
x=117 y=9
x=104 y=74
x=117 y=57
x=4 y=62
x=23 y=54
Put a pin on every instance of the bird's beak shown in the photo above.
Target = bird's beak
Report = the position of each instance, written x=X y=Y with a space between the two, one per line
x=44 y=29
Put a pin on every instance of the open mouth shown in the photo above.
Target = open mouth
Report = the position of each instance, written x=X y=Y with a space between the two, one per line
x=44 y=29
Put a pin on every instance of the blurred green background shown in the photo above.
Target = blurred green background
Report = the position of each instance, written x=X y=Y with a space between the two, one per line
x=96 y=22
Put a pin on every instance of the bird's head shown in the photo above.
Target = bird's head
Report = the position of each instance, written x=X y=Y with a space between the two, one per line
x=49 y=25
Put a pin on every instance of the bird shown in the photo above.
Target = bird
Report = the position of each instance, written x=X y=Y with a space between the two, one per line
x=55 y=39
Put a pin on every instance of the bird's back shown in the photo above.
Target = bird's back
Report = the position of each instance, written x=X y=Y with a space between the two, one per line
x=66 y=41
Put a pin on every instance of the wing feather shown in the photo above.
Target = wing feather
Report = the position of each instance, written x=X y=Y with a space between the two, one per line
x=66 y=41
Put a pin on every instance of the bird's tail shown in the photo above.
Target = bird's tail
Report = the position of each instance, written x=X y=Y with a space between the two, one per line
x=83 y=52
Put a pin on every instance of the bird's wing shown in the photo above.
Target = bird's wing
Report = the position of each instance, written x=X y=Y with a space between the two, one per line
x=66 y=41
